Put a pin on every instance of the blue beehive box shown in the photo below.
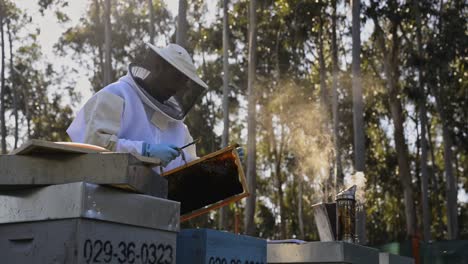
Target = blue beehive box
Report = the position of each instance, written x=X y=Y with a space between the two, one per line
x=206 y=246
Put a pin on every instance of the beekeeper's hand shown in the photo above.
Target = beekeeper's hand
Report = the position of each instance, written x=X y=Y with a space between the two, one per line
x=165 y=152
x=240 y=153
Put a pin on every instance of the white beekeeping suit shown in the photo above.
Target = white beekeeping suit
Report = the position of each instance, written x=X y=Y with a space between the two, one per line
x=125 y=117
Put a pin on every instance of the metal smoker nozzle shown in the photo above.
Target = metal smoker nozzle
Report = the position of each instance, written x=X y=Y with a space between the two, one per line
x=349 y=193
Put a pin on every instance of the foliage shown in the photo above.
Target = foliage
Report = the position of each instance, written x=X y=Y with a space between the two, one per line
x=34 y=88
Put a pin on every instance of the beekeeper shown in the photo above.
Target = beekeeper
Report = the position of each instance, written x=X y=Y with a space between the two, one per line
x=143 y=112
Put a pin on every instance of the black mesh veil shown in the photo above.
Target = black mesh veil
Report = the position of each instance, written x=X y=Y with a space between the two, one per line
x=179 y=104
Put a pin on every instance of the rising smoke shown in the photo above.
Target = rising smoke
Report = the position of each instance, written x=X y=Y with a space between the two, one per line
x=305 y=126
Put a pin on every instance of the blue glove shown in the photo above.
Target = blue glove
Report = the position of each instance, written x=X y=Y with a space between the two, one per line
x=165 y=152
x=240 y=152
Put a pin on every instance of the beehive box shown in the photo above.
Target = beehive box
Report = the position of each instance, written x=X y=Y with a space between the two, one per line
x=336 y=252
x=387 y=258
x=86 y=223
x=81 y=240
x=39 y=163
x=87 y=200
x=206 y=246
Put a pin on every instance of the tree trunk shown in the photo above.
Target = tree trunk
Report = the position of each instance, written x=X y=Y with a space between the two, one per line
x=152 y=31
x=358 y=107
x=323 y=73
x=339 y=177
x=300 y=210
x=100 y=42
x=27 y=112
x=2 y=92
x=225 y=137
x=392 y=74
x=402 y=155
x=278 y=155
x=435 y=181
x=451 y=186
x=456 y=157
x=249 y=225
x=182 y=25
x=14 y=88
x=279 y=189
x=275 y=158
x=108 y=46
x=324 y=101
x=423 y=119
x=391 y=71
x=212 y=120
x=277 y=150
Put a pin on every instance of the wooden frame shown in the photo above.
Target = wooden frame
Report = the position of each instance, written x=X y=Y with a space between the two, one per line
x=221 y=203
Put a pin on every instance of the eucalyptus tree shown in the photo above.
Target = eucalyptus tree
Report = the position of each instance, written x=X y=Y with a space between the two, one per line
x=249 y=225
x=225 y=136
x=358 y=118
x=3 y=13
x=339 y=177
x=423 y=120
x=152 y=30
x=389 y=50
x=447 y=50
x=182 y=25
x=107 y=43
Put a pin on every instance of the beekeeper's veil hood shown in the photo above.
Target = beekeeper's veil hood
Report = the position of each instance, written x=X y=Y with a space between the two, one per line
x=172 y=95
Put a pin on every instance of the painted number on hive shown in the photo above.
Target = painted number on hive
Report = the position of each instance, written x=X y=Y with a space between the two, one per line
x=98 y=251
x=221 y=260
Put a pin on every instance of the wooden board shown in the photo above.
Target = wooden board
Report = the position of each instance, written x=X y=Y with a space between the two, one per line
x=121 y=170
x=41 y=147
x=208 y=183
x=325 y=220
x=36 y=146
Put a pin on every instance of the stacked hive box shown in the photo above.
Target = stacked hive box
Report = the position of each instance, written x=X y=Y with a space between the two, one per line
x=68 y=220
x=205 y=246
x=322 y=252
x=330 y=252
x=387 y=258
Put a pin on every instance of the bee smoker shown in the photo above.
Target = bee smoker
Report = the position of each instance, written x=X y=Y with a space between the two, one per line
x=346 y=215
